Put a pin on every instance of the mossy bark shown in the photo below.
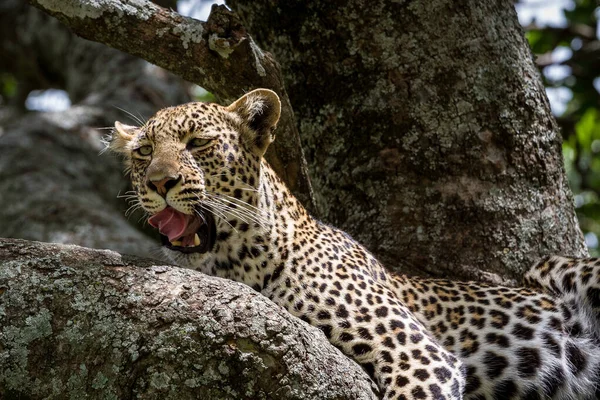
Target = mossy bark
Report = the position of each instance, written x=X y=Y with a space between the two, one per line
x=427 y=131
x=80 y=323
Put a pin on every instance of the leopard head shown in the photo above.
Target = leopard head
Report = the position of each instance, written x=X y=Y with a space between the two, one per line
x=195 y=168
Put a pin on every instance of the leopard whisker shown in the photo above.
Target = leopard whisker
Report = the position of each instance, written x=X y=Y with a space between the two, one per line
x=137 y=119
x=133 y=208
x=219 y=214
x=236 y=201
x=245 y=216
x=224 y=209
x=240 y=209
x=215 y=209
x=127 y=197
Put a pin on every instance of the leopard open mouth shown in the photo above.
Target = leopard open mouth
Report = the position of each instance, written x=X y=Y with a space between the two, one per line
x=183 y=232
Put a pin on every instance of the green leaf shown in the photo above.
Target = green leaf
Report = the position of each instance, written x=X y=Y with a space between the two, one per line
x=588 y=128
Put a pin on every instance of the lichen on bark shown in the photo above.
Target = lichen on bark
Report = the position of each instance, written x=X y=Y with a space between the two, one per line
x=82 y=323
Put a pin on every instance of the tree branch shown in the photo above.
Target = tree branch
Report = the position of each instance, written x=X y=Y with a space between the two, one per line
x=218 y=54
x=76 y=322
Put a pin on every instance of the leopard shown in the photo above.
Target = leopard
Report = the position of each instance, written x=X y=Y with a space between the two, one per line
x=199 y=172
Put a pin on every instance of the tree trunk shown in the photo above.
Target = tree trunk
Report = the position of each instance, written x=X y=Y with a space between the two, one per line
x=80 y=323
x=427 y=131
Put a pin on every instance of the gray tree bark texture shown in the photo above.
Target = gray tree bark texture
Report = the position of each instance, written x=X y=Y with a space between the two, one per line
x=427 y=131
x=80 y=323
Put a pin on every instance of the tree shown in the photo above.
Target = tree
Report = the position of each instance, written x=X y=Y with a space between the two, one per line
x=436 y=150
x=434 y=147
x=459 y=127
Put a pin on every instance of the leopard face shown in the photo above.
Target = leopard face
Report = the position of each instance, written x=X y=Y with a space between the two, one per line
x=195 y=166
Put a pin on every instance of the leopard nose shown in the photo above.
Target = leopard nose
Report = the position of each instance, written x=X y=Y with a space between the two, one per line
x=162 y=186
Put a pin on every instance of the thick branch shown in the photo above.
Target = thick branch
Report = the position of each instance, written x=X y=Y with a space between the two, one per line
x=76 y=322
x=218 y=55
x=207 y=53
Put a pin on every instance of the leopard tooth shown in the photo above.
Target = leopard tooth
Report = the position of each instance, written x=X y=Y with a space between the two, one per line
x=196 y=240
x=176 y=243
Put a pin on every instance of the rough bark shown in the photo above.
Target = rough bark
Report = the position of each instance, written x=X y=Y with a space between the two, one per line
x=80 y=323
x=427 y=130
x=219 y=55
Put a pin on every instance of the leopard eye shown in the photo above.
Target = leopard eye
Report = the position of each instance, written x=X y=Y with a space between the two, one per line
x=198 y=143
x=144 y=150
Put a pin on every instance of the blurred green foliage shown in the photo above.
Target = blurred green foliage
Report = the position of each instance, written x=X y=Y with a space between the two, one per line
x=200 y=94
x=8 y=86
x=568 y=53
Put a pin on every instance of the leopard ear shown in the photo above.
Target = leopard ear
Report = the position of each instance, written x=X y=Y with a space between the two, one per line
x=260 y=111
x=122 y=134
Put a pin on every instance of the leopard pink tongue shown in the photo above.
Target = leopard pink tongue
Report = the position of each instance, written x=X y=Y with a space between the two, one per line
x=170 y=223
